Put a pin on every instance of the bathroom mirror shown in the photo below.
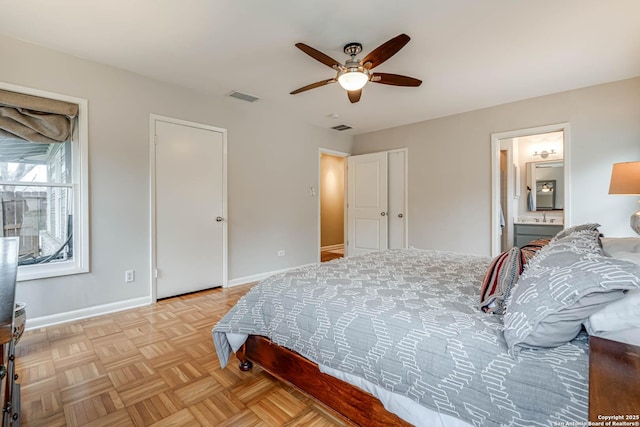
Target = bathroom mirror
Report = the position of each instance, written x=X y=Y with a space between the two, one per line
x=545 y=185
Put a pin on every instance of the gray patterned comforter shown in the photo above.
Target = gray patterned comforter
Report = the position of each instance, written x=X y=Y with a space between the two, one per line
x=408 y=320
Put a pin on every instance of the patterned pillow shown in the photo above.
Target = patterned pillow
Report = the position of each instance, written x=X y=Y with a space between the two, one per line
x=532 y=248
x=567 y=281
x=503 y=272
x=582 y=227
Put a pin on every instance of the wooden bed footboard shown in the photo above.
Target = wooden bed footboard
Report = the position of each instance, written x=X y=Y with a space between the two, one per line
x=354 y=404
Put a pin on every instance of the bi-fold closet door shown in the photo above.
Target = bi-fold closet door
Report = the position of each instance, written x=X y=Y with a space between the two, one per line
x=376 y=202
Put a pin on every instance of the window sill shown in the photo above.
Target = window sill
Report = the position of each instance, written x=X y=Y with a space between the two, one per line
x=33 y=272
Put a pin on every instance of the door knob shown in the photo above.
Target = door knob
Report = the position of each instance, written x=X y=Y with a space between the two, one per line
x=400 y=215
x=383 y=213
x=219 y=219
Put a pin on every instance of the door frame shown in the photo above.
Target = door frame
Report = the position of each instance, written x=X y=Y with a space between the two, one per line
x=495 y=174
x=344 y=155
x=153 y=118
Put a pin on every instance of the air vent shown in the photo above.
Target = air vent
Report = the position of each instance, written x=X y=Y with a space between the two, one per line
x=341 y=127
x=243 y=96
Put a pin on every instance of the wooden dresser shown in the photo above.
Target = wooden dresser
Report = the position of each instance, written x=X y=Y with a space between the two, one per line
x=9 y=389
x=614 y=382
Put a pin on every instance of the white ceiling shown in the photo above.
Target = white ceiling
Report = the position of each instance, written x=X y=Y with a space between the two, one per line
x=469 y=54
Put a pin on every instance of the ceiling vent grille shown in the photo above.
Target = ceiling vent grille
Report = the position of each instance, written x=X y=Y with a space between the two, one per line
x=243 y=96
x=341 y=127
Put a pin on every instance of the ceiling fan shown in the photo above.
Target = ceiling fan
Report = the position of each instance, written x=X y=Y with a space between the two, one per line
x=354 y=74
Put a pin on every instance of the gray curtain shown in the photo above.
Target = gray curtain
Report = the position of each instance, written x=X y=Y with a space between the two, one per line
x=35 y=119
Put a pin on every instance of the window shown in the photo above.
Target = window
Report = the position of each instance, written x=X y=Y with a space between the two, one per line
x=43 y=194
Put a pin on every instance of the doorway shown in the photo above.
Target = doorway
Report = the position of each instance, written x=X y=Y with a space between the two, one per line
x=523 y=163
x=383 y=201
x=332 y=204
x=189 y=207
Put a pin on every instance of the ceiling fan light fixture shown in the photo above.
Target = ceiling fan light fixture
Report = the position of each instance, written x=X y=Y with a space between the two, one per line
x=354 y=74
x=353 y=78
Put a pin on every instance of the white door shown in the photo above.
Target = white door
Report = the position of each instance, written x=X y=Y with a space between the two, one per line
x=190 y=232
x=367 y=203
x=397 y=204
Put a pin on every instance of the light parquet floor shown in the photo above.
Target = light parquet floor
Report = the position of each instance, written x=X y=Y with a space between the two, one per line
x=152 y=366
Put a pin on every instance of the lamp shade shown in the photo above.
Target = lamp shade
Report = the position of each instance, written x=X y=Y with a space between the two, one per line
x=625 y=178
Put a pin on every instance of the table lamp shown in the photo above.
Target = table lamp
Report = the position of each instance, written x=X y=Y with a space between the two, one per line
x=625 y=179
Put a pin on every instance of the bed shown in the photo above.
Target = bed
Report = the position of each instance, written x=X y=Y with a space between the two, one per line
x=397 y=338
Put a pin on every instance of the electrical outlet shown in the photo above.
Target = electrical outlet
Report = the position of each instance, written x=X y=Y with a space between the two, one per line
x=129 y=276
x=281 y=252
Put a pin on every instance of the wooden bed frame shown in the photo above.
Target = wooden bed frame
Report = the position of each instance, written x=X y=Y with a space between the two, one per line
x=355 y=405
x=612 y=364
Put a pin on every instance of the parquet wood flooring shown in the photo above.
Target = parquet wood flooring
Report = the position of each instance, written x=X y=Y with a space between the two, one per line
x=152 y=366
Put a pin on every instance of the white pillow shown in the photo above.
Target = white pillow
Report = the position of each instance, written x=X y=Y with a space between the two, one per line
x=616 y=316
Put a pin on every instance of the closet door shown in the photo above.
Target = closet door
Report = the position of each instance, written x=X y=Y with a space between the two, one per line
x=397 y=200
x=190 y=199
x=367 y=208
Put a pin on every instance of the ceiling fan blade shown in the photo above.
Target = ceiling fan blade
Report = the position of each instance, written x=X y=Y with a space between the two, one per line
x=385 y=51
x=318 y=56
x=313 y=86
x=354 y=95
x=395 y=80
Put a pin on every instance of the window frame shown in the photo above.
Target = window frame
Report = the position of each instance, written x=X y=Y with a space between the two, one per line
x=79 y=184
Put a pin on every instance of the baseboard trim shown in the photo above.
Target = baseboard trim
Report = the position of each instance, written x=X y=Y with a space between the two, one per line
x=98 y=310
x=332 y=247
x=261 y=276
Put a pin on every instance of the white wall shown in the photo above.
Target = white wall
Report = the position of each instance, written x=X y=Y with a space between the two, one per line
x=450 y=162
x=273 y=162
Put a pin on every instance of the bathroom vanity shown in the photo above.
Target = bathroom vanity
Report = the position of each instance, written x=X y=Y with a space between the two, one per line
x=526 y=232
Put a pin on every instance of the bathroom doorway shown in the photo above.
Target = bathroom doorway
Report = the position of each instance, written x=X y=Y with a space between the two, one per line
x=530 y=183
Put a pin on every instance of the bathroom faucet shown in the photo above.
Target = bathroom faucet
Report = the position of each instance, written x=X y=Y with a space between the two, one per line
x=544 y=216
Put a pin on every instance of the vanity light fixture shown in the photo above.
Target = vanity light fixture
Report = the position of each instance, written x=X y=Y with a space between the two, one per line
x=625 y=179
x=545 y=188
x=544 y=153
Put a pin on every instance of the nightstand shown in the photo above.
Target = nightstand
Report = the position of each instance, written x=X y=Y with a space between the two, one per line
x=614 y=381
